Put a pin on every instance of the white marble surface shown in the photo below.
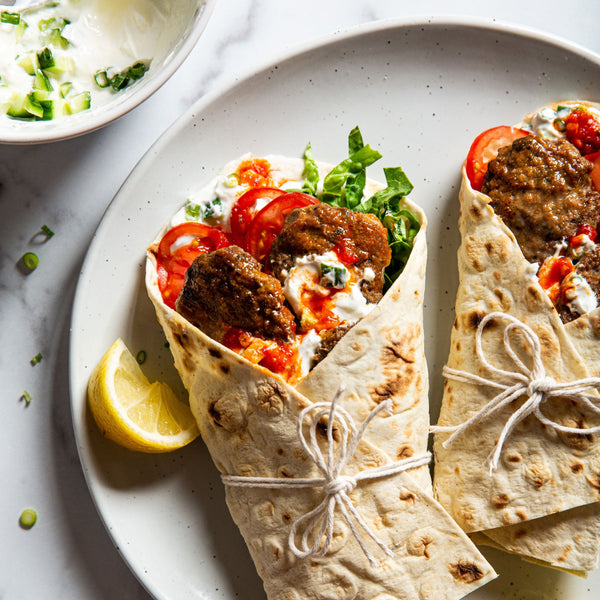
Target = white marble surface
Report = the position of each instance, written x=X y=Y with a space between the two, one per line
x=67 y=186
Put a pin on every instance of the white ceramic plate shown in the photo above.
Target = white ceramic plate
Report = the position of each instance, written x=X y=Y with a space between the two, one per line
x=420 y=91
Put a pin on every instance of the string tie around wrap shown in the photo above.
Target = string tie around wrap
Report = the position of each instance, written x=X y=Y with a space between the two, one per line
x=532 y=382
x=318 y=524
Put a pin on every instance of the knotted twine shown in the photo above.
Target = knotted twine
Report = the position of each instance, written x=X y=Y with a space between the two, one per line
x=523 y=381
x=336 y=485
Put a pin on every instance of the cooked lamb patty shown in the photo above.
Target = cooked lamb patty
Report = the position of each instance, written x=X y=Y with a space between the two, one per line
x=542 y=190
x=319 y=228
x=227 y=288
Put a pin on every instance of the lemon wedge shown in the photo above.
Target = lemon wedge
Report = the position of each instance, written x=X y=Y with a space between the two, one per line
x=137 y=414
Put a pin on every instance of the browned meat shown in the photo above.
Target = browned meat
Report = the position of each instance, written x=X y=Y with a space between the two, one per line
x=228 y=288
x=329 y=339
x=588 y=267
x=543 y=191
x=318 y=228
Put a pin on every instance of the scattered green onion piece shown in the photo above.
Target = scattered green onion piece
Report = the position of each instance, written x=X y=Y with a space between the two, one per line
x=27 y=397
x=30 y=260
x=28 y=518
x=36 y=359
x=141 y=357
x=46 y=59
x=10 y=18
x=47 y=231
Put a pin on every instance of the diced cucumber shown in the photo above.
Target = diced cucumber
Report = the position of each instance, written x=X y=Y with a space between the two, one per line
x=28 y=62
x=77 y=103
x=65 y=89
x=42 y=82
x=16 y=108
x=40 y=95
x=20 y=30
x=62 y=64
x=53 y=108
x=33 y=106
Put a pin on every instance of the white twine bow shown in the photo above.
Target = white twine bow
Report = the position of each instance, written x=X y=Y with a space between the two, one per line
x=524 y=381
x=337 y=486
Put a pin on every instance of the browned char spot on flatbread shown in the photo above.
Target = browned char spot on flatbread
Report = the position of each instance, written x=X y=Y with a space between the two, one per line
x=465 y=572
x=418 y=544
x=565 y=553
x=520 y=512
x=398 y=358
x=576 y=466
x=271 y=397
x=405 y=451
x=594 y=480
x=406 y=495
x=229 y=412
x=501 y=500
x=475 y=211
x=474 y=318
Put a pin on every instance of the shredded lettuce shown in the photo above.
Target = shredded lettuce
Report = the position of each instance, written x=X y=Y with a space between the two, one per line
x=344 y=186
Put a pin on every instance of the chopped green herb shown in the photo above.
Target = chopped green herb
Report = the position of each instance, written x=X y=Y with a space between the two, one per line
x=333 y=276
x=192 y=211
x=36 y=359
x=214 y=209
x=10 y=18
x=28 y=518
x=26 y=396
x=121 y=80
x=30 y=260
x=141 y=357
x=49 y=233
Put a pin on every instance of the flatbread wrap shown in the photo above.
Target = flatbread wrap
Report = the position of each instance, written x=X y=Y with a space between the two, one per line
x=517 y=460
x=318 y=423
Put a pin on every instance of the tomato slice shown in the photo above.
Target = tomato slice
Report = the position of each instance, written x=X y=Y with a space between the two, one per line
x=172 y=264
x=244 y=209
x=595 y=174
x=485 y=148
x=268 y=222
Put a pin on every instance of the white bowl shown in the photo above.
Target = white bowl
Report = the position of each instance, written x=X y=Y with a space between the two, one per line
x=195 y=15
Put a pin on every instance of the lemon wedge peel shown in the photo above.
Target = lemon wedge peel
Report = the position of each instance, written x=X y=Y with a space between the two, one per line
x=132 y=411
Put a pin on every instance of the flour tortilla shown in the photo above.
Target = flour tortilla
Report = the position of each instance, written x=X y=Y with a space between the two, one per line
x=248 y=419
x=540 y=472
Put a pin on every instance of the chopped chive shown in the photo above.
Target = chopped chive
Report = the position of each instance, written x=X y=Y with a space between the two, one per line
x=10 y=18
x=167 y=345
x=28 y=518
x=27 y=397
x=141 y=357
x=36 y=359
x=47 y=231
x=30 y=260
